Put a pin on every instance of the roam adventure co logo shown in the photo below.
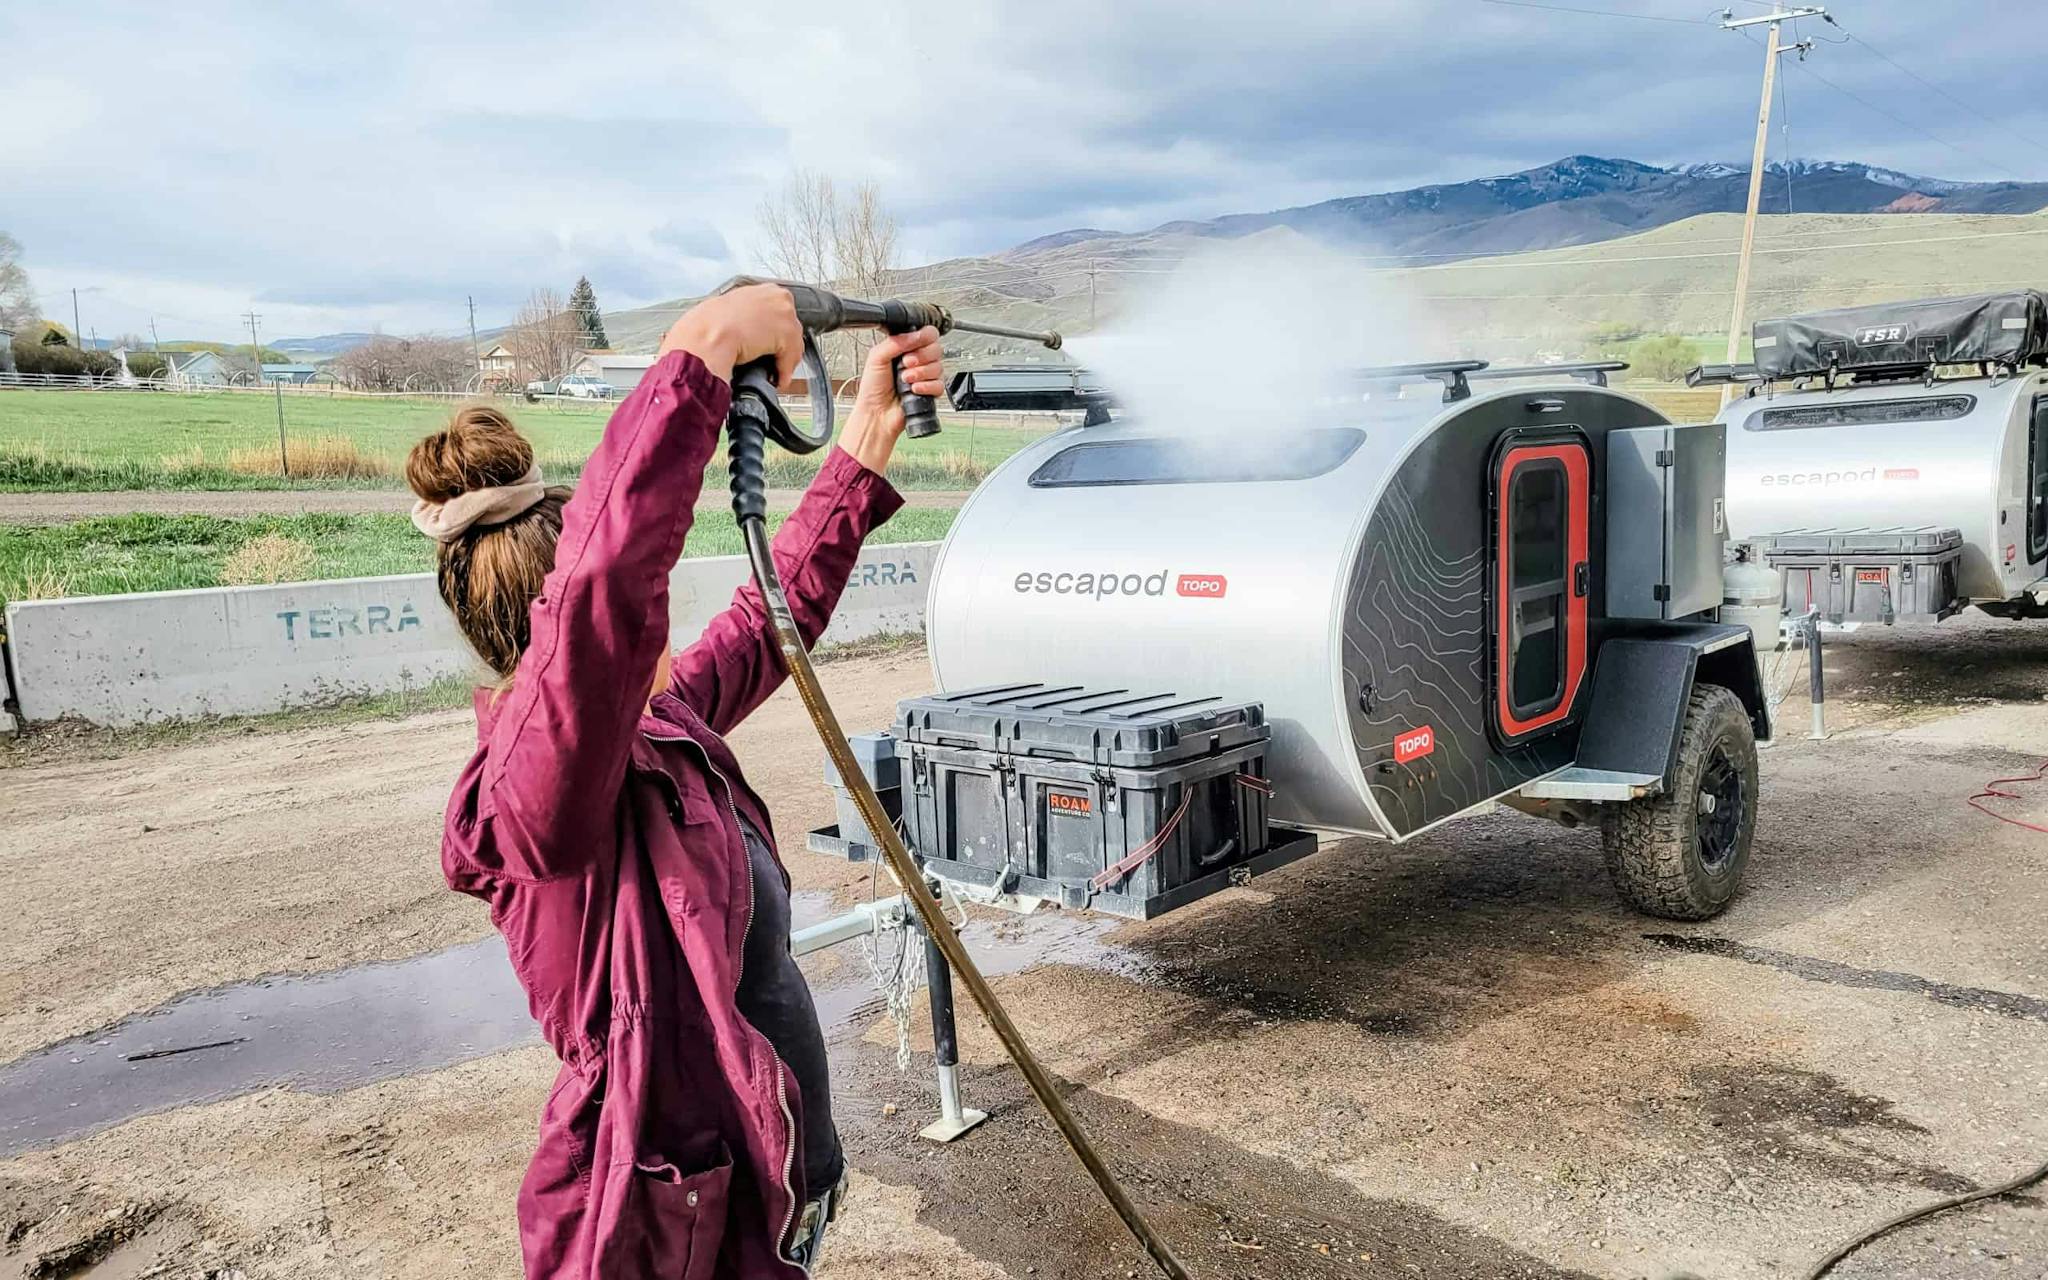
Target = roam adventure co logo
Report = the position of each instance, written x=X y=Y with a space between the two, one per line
x=1101 y=586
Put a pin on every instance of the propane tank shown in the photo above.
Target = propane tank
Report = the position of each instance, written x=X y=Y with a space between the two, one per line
x=1753 y=595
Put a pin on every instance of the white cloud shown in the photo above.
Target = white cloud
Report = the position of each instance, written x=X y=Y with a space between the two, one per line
x=363 y=163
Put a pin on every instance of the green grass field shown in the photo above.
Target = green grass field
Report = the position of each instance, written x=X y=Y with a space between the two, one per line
x=101 y=440
x=121 y=554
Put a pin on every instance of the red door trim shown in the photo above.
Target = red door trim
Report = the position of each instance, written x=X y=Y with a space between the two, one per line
x=1577 y=463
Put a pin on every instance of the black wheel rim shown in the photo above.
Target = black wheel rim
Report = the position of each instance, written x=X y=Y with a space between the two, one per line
x=1718 y=825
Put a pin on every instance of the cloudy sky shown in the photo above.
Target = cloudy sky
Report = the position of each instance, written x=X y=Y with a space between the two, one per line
x=352 y=166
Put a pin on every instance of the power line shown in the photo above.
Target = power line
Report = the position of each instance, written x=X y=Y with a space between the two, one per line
x=2004 y=127
x=1908 y=124
x=1600 y=13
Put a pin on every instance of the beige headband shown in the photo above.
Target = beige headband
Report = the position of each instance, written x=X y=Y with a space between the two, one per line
x=447 y=521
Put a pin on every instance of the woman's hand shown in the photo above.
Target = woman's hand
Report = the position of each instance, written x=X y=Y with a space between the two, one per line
x=729 y=329
x=877 y=418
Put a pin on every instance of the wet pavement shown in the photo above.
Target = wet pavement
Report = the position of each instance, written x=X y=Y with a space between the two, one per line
x=325 y=1032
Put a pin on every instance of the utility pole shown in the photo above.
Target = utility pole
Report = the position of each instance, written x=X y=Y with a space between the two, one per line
x=476 y=352
x=77 y=330
x=1729 y=22
x=154 y=344
x=284 y=464
x=1091 y=294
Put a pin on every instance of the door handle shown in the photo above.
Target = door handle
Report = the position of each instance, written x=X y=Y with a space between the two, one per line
x=1582 y=579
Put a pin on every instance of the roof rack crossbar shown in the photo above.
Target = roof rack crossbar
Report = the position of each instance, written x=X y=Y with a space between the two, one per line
x=1591 y=372
x=1452 y=373
x=1715 y=375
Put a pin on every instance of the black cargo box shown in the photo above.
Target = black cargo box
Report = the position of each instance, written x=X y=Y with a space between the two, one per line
x=1112 y=800
x=2008 y=328
x=1897 y=574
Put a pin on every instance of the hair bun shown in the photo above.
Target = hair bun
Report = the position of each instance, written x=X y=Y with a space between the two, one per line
x=480 y=448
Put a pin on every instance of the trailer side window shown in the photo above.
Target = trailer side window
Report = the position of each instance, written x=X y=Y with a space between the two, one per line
x=1542 y=579
x=2037 y=483
x=1198 y=459
x=1863 y=413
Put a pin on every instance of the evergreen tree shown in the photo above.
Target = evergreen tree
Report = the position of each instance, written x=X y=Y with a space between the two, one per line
x=589 y=322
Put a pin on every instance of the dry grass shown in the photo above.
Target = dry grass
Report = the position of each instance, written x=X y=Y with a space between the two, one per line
x=329 y=457
x=185 y=460
x=274 y=557
x=39 y=580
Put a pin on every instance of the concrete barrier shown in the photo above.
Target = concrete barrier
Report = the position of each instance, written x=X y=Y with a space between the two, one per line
x=175 y=655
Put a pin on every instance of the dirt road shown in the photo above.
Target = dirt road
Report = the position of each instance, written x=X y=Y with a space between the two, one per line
x=1457 y=1057
x=54 y=508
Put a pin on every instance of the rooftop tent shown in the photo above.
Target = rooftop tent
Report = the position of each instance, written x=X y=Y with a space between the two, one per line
x=2008 y=328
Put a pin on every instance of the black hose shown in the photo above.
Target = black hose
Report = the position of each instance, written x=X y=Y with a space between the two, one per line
x=1851 y=1245
x=749 y=501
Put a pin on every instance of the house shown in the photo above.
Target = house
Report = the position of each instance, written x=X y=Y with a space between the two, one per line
x=623 y=372
x=195 y=369
x=290 y=374
x=497 y=364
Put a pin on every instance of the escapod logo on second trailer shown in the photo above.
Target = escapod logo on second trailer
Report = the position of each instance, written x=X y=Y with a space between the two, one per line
x=1101 y=586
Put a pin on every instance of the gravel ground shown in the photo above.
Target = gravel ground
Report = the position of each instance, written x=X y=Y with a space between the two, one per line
x=53 y=508
x=1456 y=1057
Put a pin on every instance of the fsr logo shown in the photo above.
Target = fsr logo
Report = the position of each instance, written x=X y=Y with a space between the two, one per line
x=1414 y=744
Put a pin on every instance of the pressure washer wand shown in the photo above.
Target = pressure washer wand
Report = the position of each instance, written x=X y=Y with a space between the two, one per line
x=822 y=311
x=746 y=449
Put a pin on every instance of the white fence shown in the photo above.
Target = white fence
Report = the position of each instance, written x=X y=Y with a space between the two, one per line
x=175 y=655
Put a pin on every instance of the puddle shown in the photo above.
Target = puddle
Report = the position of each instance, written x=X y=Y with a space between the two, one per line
x=330 y=1031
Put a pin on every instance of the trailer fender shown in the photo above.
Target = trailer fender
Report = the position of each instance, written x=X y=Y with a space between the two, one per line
x=1642 y=683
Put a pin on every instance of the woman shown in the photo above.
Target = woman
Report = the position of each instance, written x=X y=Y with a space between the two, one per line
x=625 y=859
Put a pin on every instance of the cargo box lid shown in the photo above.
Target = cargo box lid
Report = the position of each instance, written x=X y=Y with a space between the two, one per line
x=1891 y=540
x=1121 y=727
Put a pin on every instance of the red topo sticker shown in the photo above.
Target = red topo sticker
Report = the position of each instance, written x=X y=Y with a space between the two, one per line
x=1206 y=585
x=1414 y=744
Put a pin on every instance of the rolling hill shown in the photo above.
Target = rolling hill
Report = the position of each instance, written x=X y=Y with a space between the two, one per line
x=1542 y=256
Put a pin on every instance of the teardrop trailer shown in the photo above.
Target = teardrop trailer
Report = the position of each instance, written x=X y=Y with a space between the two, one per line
x=1892 y=460
x=1164 y=666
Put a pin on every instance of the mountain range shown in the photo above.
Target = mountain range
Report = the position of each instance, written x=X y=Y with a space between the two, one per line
x=1075 y=278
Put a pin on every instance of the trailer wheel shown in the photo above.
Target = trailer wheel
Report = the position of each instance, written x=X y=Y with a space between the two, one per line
x=1680 y=855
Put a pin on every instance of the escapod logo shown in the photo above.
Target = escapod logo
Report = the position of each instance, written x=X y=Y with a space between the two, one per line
x=1100 y=586
x=1414 y=744
x=1061 y=802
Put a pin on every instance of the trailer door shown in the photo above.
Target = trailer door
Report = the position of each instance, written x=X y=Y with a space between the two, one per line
x=2037 y=482
x=1541 y=580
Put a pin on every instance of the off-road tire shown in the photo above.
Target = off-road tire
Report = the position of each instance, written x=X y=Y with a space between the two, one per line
x=1666 y=857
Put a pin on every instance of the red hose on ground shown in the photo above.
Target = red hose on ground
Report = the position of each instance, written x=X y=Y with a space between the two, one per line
x=1993 y=790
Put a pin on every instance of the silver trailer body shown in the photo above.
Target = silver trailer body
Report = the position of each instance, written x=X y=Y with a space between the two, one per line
x=1362 y=603
x=1965 y=453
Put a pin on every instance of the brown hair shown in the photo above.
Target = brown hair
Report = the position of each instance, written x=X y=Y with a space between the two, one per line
x=491 y=575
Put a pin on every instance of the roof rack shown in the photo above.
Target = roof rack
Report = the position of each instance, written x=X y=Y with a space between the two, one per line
x=1059 y=388
x=1452 y=373
x=1591 y=372
x=1718 y=375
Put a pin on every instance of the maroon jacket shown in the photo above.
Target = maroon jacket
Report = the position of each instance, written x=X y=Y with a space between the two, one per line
x=606 y=839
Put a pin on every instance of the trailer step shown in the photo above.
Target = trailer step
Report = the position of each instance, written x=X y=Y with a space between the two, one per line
x=1593 y=784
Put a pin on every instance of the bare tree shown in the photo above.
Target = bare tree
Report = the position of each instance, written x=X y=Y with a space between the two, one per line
x=799 y=224
x=546 y=340
x=406 y=364
x=17 y=297
x=810 y=234
x=864 y=250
